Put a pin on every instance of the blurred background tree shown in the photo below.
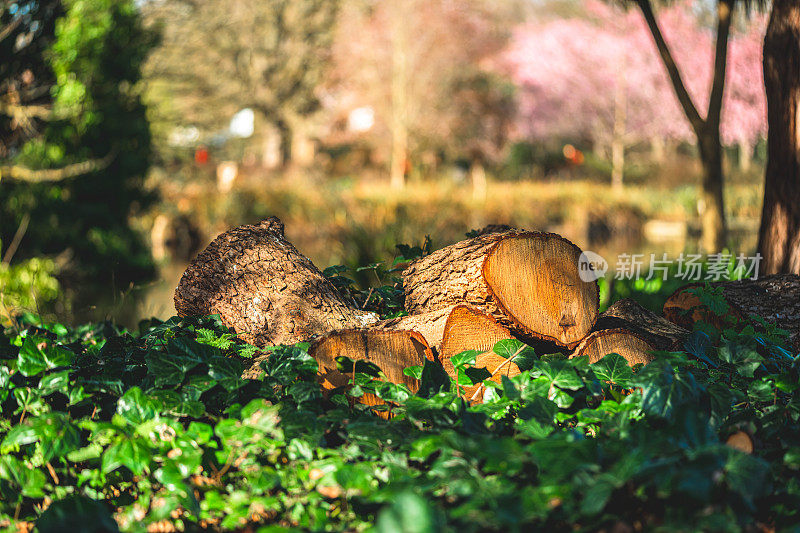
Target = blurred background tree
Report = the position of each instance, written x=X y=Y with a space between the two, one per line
x=75 y=139
x=218 y=57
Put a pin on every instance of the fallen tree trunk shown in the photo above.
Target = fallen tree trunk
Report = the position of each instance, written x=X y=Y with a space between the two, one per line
x=468 y=328
x=263 y=288
x=391 y=351
x=430 y=325
x=634 y=348
x=776 y=299
x=529 y=282
x=659 y=332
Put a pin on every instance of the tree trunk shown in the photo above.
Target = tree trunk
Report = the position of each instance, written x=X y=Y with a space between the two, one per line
x=712 y=207
x=659 y=332
x=633 y=348
x=478 y=178
x=529 y=282
x=773 y=298
x=399 y=120
x=391 y=351
x=468 y=328
x=264 y=288
x=618 y=139
x=779 y=236
x=745 y=156
x=712 y=212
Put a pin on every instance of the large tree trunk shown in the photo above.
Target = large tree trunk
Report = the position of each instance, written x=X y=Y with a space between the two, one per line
x=779 y=237
x=530 y=282
x=712 y=206
x=264 y=288
x=776 y=299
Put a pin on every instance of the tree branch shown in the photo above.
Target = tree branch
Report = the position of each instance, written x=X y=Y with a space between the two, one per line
x=724 y=14
x=684 y=98
x=55 y=174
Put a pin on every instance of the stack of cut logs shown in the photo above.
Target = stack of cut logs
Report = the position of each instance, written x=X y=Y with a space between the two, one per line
x=470 y=295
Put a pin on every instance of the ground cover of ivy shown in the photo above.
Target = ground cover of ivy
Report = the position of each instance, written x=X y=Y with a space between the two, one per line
x=102 y=428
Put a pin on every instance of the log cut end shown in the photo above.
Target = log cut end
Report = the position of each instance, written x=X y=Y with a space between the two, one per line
x=468 y=328
x=534 y=279
x=391 y=351
x=630 y=346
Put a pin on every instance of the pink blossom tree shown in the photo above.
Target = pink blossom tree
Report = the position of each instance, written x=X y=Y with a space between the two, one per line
x=598 y=76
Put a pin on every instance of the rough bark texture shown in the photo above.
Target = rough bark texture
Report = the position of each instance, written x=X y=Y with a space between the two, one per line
x=391 y=351
x=264 y=288
x=659 y=332
x=634 y=348
x=779 y=236
x=773 y=298
x=468 y=328
x=527 y=281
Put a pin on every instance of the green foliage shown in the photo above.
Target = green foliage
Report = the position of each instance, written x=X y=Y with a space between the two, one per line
x=26 y=285
x=95 y=58
x=156 y=424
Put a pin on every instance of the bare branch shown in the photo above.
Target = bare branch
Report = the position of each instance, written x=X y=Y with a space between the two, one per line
x=724 y=14
x=55 y=174
x=683 y=95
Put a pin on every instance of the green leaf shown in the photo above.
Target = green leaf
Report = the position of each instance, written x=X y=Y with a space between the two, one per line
x=434 y=380
x=32 y=360
x=77 y=514
x=132 y=452
x=464 y=358
x=664 y=389
x=227 y=372
x=614 y=368
x=742 y=356
x=136 y=407
x=408 y=513
x=520 y=353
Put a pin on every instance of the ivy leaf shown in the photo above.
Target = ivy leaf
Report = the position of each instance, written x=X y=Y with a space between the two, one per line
x=464 y=358
x=227 y=372
x=698 y=343
x=132 y=452
x=560 y=374
x=664 y=389
x=32 y=360
x=434 y=380
x=136 y=407
x=520 y=353
x=614 y=368
x=169 y=369
x=745 y=358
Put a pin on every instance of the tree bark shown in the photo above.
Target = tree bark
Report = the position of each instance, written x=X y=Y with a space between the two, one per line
x=264 y=288
x=712 y=207
x=773 y=298
x=779 y=235
x=529 y=282
x=659 y=332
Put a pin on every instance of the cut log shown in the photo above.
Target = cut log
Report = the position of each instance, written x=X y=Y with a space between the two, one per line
x=468 y=328
x=263 y=288
x=391 y=351
x=659 y=332
x=529 y=282
x=430 y=325
x=773 y=298
x=598 y=344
